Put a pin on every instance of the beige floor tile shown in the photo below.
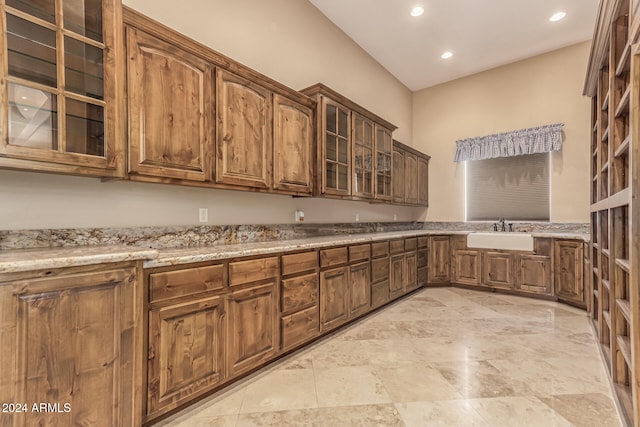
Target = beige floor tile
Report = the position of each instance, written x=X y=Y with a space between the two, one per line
x=198 y=421
x=281 y=390
x=440 y=414
x=418 y=382
x=521 y=411
x=297 y=417
x=381 y=415
x=585 y=410
x=349 y=386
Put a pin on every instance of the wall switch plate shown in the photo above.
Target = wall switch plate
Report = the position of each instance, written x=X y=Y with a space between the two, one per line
x=203 y=214
x=299 y=216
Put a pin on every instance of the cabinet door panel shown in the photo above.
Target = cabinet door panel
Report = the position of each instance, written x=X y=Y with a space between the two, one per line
x=498 y=270
x=467 y=267
x=568 y=259
x=380 y=269
x=335 y=148
x=410 y=178
x=292 y=146
x=439 y=259
x=362 y=140
x=243 y=132
x=396 y=276
x=379 y=293
x=423 y=181
x=535 y=274
x=185 y=351
x=72 y=340
x=299 y=292
x=411 y=268
x=252 y=327
x=360 y=289
x=170 y=132
x=398 y=176
x=334 y=298
x=383 y=177
x=299 y=327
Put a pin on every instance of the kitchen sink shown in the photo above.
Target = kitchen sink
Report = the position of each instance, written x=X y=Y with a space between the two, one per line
x=501 y=240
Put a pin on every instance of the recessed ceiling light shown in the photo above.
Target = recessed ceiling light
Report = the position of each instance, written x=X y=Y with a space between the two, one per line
x=417 y=11
x=446 y=55
x=557 y=16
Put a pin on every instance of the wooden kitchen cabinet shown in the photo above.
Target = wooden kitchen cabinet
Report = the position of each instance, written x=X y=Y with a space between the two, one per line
x=403 y=267
x=292 y=146
x=359 y=289
x=379 y=273
x=396 y=276
x=422 y=260
x=299 y=290
x=439 y=260
x=347 y=147
x=62 y=110
x=73 y=338
x=498 y=269
x=186 y=351
x=252 y=327
x=568 y=270
x=334 y=298
x=534 y=274
x=383 y=159
x=170 y=133
x=244 y=132
x=467 y=267
x=410 y=179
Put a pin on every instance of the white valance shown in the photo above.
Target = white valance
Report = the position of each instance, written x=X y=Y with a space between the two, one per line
x=541 y=139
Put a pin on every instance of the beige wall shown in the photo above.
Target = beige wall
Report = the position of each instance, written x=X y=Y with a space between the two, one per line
x=287 y=40
x=541 y=90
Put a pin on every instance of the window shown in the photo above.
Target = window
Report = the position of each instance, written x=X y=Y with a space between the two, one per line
x=515 y=188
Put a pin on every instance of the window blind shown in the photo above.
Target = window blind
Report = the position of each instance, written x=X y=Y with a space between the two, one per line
x=515 y=188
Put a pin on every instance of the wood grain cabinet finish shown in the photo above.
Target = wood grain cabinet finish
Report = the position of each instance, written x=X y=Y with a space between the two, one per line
x=171 y=131
x=359 y=289
x=534 y=274
x=396 y=275
x=292 y=146
x=186 y=282
x=334 y=298
x=498 y=269
x=379 y=273
x=244 y=133
x=411 y=270
x=73 y=339
x=252 y=325
x=568 y=270
x=410 y=178
x=467 y=267
x=186 y=351
x=383 y=164
x=398 y=176
x=439 y=260
x=362 y=135
x=62 y=109
x=423 y=181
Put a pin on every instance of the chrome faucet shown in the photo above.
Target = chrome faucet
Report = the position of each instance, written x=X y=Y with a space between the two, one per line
x=502 y=224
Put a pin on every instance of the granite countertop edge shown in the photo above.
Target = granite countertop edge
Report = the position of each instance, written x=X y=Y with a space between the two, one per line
x=12 y=261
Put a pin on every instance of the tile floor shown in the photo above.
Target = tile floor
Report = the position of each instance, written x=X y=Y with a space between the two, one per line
x=440 y=357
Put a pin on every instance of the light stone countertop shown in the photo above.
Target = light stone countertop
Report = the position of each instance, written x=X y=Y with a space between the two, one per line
x=48 y=258
x=42 y=259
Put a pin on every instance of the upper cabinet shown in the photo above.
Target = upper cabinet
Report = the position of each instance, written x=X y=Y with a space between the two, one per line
x=410 y=176
x=61 y=89
x=211 y=122
x=171 y=132
x=353 y=148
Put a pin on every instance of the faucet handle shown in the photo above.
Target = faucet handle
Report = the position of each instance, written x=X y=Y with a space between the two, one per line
x=510 y=226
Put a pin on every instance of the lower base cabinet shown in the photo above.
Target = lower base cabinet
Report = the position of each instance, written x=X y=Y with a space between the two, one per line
x=252 y=324
x=72 y=340
x=186 y=344
x=568 y=270
x=498 y=270
x=334 y=298
x=359 y=289
x=467 y=267
x=534 y=274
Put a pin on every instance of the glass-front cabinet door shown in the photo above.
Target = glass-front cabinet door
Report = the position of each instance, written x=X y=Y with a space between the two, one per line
x=383 y=144
x=59 y=109
x=362 y=184
x=336 y=149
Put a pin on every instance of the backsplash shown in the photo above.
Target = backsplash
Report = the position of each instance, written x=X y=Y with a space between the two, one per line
x=194 y=236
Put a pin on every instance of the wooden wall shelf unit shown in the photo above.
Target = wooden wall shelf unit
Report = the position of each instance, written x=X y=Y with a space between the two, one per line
x=613 y=83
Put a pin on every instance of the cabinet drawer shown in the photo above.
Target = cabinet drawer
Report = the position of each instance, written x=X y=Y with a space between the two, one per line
x=396 y=246
x=422 y=258
x=295 y=263
x=359 y=252
x=299 y=327
x=189 y=281
x=336 y=256
x=379 y=269
x=410 y=244
x=253 y=270
x=299 y=292
x=423 y=242
x=379 y=249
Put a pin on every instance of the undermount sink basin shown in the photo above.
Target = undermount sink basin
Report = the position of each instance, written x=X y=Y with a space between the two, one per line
x=498 y=240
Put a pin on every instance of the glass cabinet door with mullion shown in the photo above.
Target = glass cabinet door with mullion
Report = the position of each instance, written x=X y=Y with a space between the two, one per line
x=336 y=175
x=362 y=184
x=59 y=86
x=383 y=143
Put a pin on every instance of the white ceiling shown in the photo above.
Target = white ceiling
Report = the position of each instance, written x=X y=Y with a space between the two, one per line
x=482 y=34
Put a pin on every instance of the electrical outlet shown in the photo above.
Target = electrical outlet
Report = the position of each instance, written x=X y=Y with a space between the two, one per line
x=395 y=217
x=357 y=217
x=203 y=214
x=299 y=216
